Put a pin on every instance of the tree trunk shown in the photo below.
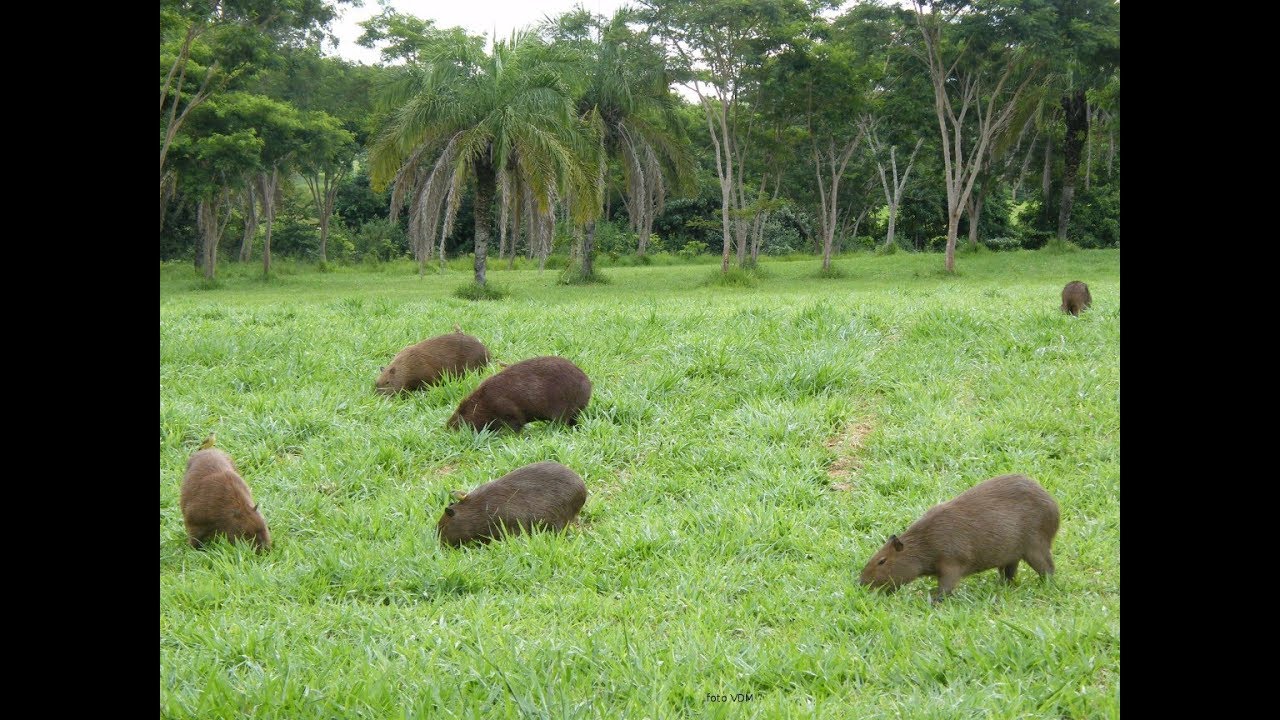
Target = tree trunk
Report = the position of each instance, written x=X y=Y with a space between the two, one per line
x=953 y=230
x=267 y=186
x=1075 y=111
x=725 y=199
x=975 y=214
x=324 y=238
x=1047 y=174
x=207 y=222
x=1088 y=144
x=486 y=184
x=588 y=249
x=250 y=223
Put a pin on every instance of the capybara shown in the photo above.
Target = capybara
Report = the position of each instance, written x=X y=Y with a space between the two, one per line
x=542 y=495
x=1076 y=297
x=991 y=525
x=425 y=363
x=541 y=388
x=215 y=501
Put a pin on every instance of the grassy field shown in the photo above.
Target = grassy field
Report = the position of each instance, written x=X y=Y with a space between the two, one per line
x=745 y=451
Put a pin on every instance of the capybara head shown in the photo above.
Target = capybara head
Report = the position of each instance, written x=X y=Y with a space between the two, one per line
x=216 y=502
x=541 y=388
x=537 y=496
x=427 y=362
x=1075 y=297
x=891 y=567
x=386 y=382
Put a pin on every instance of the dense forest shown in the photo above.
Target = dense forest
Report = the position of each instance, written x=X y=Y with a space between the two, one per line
x=738 y=127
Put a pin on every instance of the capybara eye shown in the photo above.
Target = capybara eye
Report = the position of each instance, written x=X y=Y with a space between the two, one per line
x=448 y=511
x=881 y=561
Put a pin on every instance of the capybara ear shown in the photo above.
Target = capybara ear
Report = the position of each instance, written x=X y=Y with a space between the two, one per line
x=209 y=441
x=458 y=495
x=255 y=507
x=392 y=371
x=457 y=328
x=502 y=364
x=449 y=511
x=897 y=544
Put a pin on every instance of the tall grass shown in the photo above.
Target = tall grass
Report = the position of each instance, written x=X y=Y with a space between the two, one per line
x=745 y=451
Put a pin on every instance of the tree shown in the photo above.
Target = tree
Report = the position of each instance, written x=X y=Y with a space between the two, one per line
x=206 y=45
x=213 y=159
x=973 y=54
x=463 y=114
x=624 y=94
x=1087 y=55
x=325 y=157
x=720 y=45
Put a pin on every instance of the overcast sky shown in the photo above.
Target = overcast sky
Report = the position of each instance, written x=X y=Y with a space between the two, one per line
x=479 y=17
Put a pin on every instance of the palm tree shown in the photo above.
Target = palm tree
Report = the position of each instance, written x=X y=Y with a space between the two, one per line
x=503 y=119
x=625 y=97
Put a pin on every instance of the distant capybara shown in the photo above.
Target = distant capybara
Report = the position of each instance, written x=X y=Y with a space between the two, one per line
x=215 y=501
x=541 y=495
x=991 y=525
x=425 y=363
x=541 y=388
x=1076 y=297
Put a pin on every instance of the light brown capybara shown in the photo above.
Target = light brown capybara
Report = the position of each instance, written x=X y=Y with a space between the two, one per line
x=1076 y=297
x=991 y=525
x=541 y=388
x=544 y=495
x=426 y=362
x=216 y=501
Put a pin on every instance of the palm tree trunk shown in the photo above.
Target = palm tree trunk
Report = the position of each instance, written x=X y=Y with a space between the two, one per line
x=486 y=187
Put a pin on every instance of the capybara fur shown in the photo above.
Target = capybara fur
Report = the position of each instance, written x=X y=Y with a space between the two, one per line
x=544 y=495
x=991 y=525
x=426 y=363
x=1076 y=297
x=541 y=388
x=215 y=501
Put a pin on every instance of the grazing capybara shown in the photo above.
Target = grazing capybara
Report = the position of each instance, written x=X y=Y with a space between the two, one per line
x=991 y=525
x=1076 y=297
x=425 y=363
x=541 y=388
x=542 y=495
x=215 y=501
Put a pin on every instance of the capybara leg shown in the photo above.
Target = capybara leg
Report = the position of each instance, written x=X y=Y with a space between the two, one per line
x=572 y=420
x=1041 y=561
x=1008 y=572
x=948 y=578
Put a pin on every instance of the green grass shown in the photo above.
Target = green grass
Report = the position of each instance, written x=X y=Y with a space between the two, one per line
x=745 y=451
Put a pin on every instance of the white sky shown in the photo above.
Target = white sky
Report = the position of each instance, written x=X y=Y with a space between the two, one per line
x=479 y=17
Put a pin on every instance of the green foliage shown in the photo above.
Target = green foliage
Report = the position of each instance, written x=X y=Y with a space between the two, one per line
x=882 y=249
x=574 y=275
x=474 y=291
x=1060 y=247
x=381 y=239
x=734 y=277
x=1001 y=244
x=692 y=248
x=1095 y=216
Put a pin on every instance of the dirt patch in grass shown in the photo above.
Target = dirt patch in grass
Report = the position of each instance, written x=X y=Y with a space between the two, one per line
x=847 y=445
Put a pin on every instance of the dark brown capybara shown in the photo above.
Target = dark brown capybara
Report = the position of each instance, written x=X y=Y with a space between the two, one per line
x=425 y=363
x=1076 y=297
x=541 y=388
x=991 y=525
x=544 y=495
x=216 y=501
